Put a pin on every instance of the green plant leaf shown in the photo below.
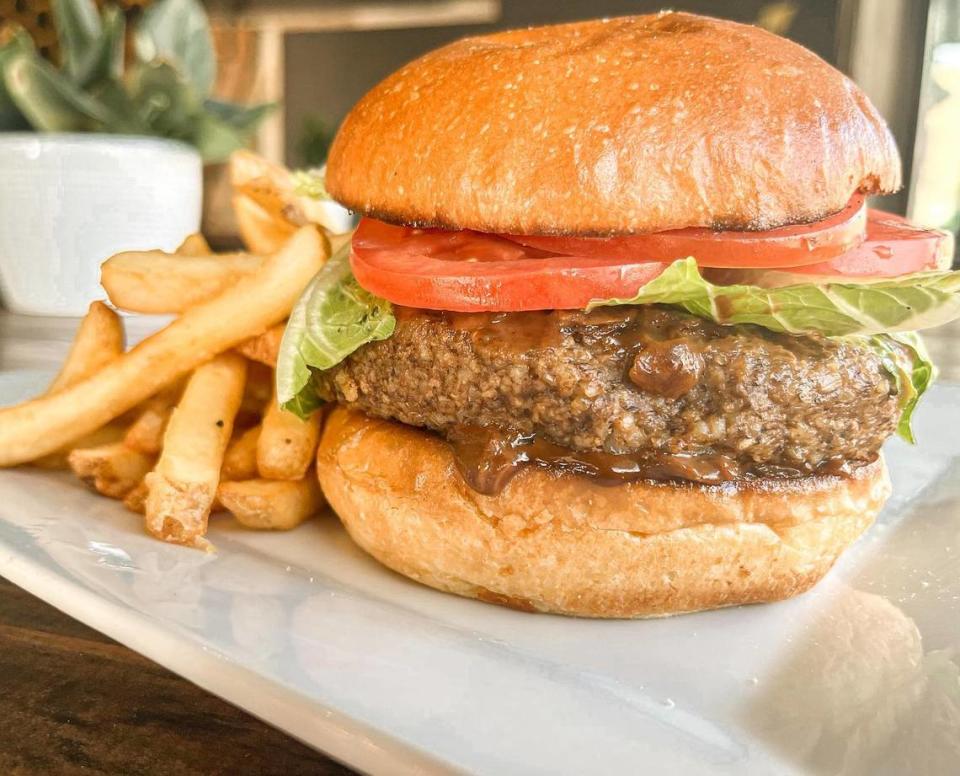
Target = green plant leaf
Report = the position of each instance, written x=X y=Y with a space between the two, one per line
x=164 y=101
x=115 y=98
x=178 y=31
x=92 y=45
x=104 y=59
x=243 y=118
x=49 y=101
x=13 y=40
x=333 y=318
x=79 y=31
x=906 y=303
x=225 y=127
x=11 y=119
x=215 y=139
x=164 y=93
x=316 y=137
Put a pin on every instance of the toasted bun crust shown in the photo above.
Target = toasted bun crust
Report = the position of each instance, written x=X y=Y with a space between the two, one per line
x=627 y=125
x=561 y=543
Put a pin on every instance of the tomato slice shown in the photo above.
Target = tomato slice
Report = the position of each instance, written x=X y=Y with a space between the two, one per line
x=788 y=246
x=465 y=271
x=473 y=272
x=893 y=247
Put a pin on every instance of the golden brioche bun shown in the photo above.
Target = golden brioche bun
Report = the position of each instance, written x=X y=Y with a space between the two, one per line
x=563 y=543
x=626 y=125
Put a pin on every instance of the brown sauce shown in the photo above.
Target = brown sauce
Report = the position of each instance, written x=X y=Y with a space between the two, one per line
x=511 y=332
x=670 y=368
x=667 y=367
x=518 y=333
x=489 y=458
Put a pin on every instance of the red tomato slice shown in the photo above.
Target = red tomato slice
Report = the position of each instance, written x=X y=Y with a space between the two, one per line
x=473 y=272
x=789 y=246
x=893 y=247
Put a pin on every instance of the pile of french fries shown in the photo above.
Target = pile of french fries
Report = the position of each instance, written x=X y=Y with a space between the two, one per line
x=185 y=424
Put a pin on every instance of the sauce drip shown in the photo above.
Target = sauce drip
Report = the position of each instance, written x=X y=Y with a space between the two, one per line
x=670 y=368
x=510 y=332
x=621 y=330
x=489 y=458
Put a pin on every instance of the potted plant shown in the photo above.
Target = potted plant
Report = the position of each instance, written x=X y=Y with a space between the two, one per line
x=114 y=159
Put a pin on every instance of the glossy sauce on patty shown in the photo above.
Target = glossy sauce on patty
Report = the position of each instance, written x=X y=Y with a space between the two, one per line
x=640 y=391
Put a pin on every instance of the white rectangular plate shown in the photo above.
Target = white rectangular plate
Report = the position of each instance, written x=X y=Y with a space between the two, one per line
x=862 y=675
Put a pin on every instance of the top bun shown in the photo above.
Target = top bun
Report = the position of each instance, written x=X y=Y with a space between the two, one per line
x=620 y=126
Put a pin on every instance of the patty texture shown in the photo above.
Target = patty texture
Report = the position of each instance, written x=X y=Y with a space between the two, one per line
x=644 y=380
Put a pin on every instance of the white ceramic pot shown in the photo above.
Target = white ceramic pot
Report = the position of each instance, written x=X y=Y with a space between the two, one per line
x=67 y=202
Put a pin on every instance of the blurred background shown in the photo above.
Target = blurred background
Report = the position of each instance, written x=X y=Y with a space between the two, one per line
x=315 y=58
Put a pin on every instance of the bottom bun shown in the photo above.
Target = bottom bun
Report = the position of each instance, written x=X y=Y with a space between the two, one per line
x=564 y=543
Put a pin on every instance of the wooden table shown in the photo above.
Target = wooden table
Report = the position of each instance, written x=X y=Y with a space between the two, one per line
x=74 y=702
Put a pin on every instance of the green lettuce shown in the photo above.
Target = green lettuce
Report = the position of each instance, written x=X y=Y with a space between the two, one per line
x=905 y=357
x=309 y=183
x=333 y=318
x=907 y=303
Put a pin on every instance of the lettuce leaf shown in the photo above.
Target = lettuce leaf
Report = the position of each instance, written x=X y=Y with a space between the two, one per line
x=911 y=368
x=309 y=183
x=907 y=303
x=333 y=318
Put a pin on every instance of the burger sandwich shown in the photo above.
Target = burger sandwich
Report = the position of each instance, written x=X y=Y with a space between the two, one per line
x=617 y=334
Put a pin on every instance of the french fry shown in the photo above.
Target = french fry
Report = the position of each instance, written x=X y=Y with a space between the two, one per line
x=136 y=499
x=276 y=505
x=264 y=348
x=194 y=245
x=259 y=388
x=146 y=432
x=287 y=444
x=267 y=202
x=257 y=302
x=183 y=485
x=256 y=394
x=260 y=229
x=98 y=341
x=112 y=432
x=158 y=282
x=112 y=469
x=269 y=186
x=252 y=173
x=240 y=460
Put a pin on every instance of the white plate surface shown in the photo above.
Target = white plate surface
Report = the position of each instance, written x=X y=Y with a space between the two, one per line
x=860 y=676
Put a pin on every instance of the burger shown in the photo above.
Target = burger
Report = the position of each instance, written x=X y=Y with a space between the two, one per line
x=617 y=335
